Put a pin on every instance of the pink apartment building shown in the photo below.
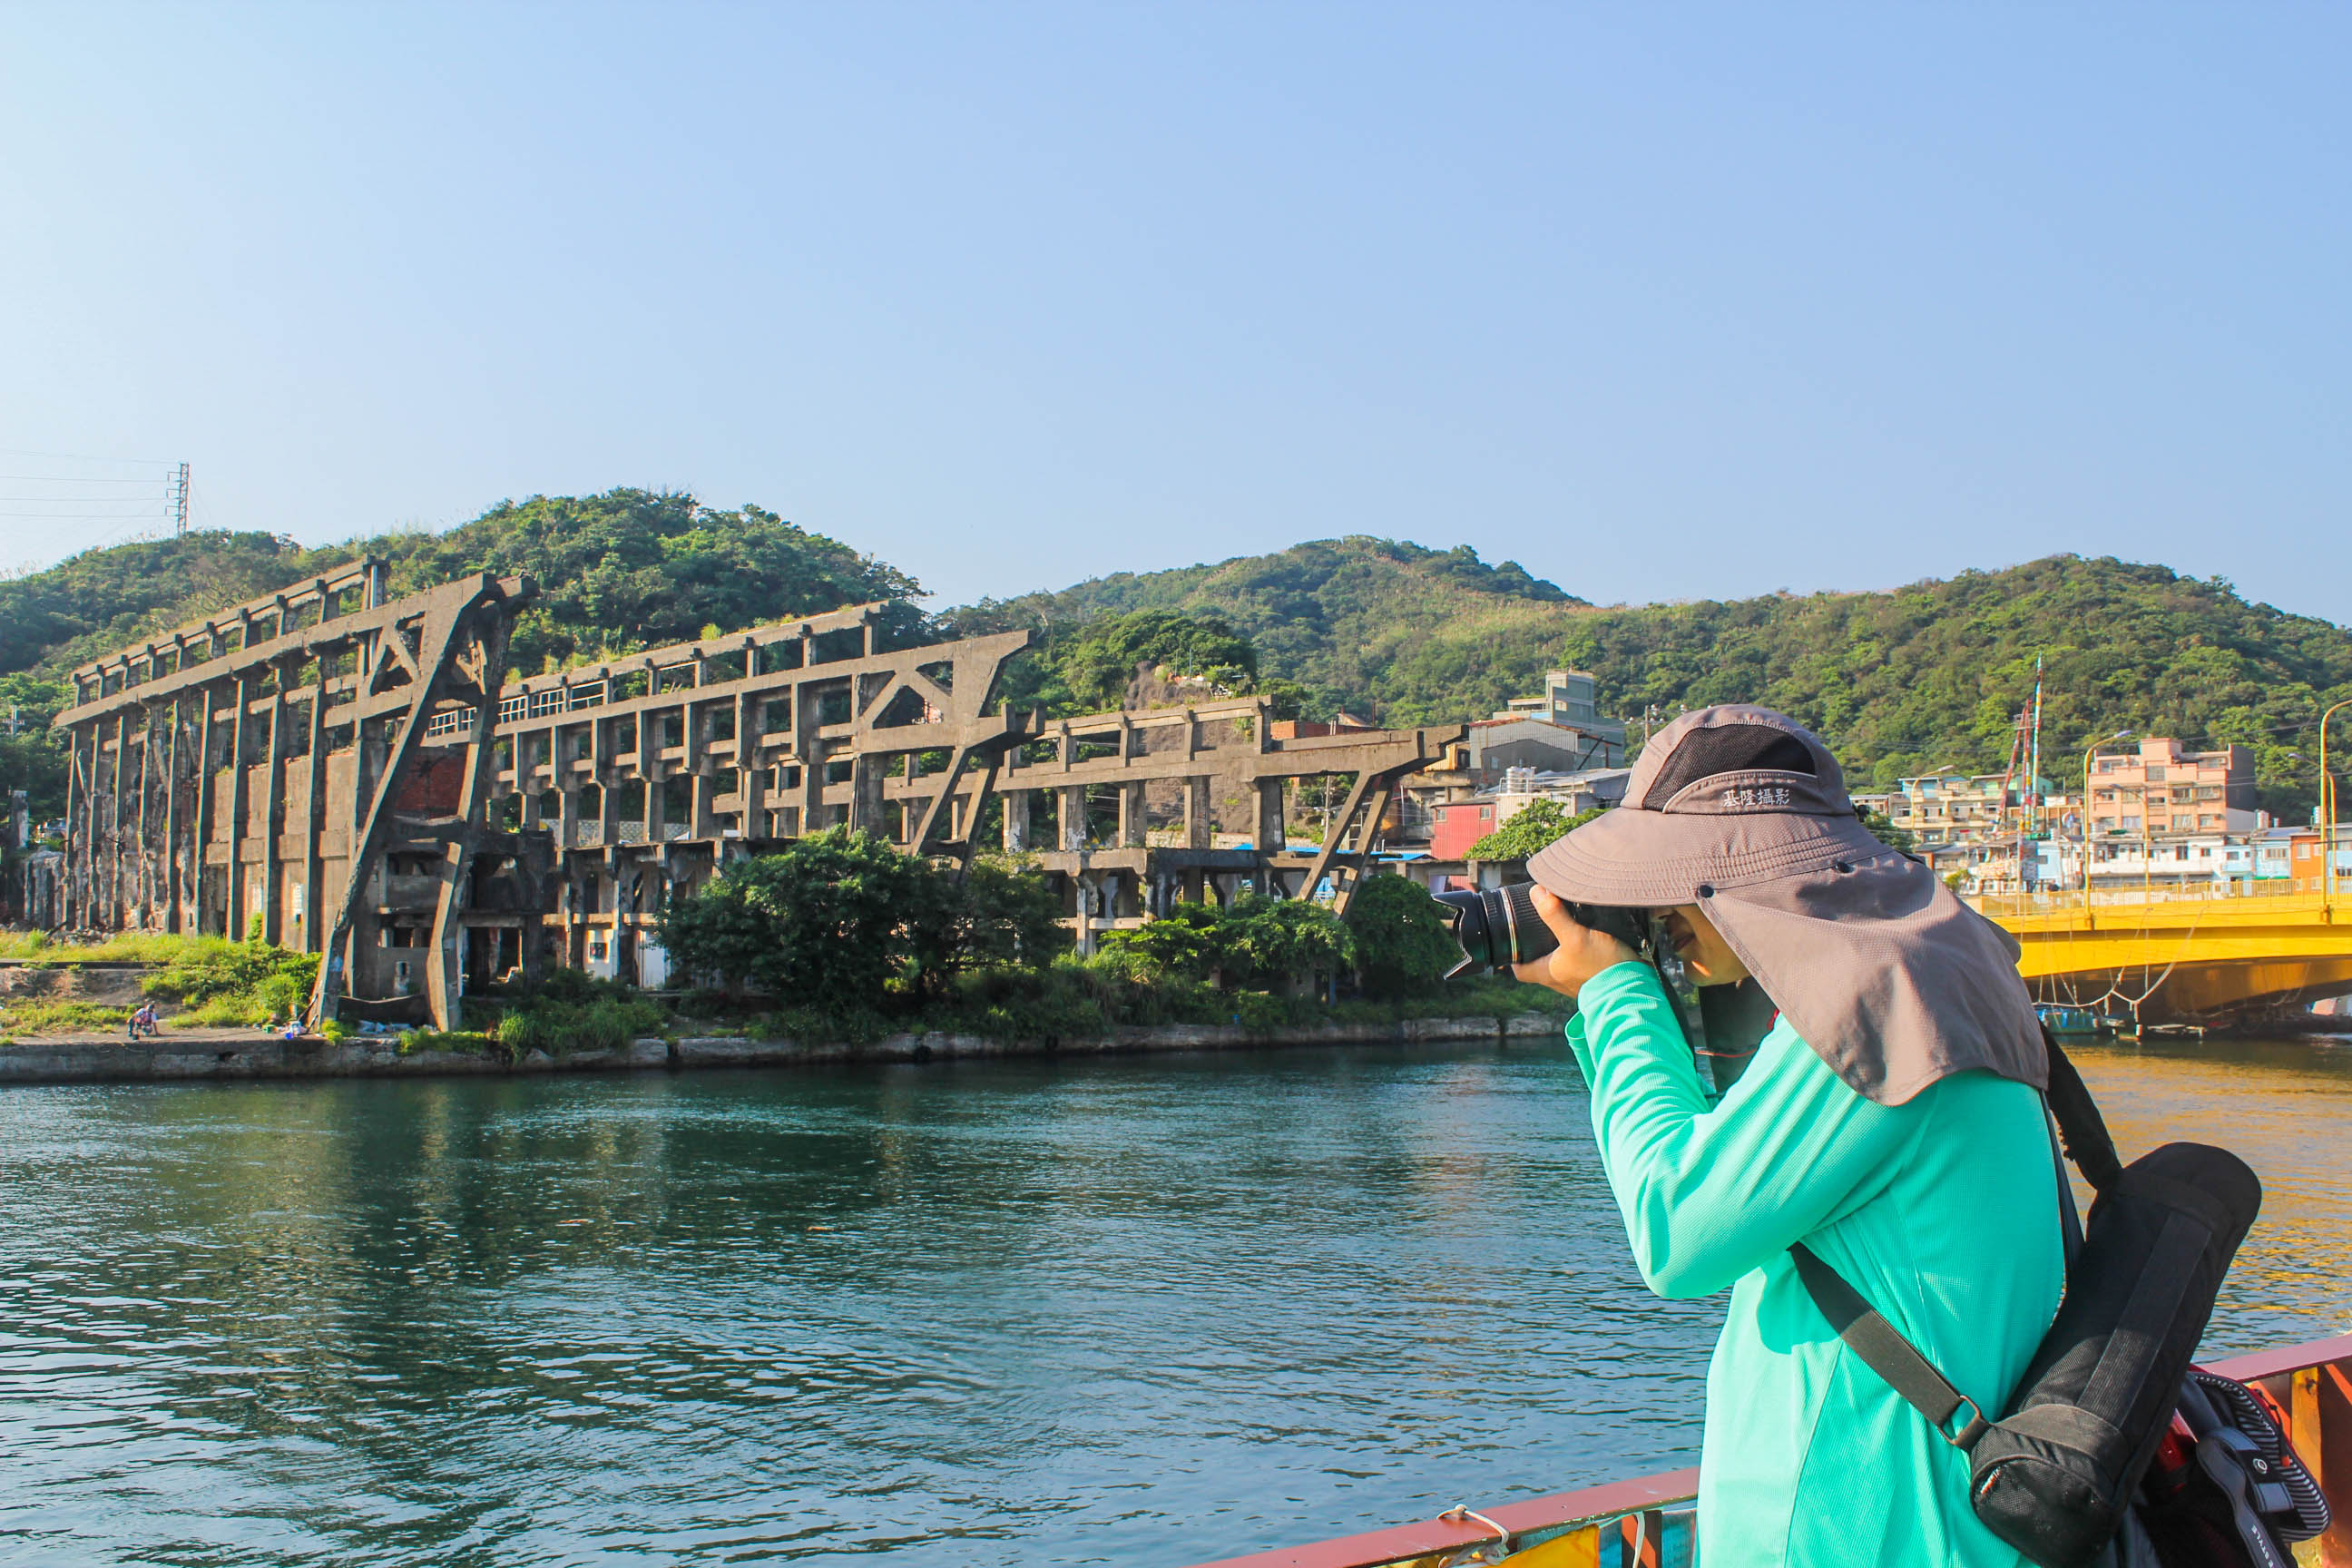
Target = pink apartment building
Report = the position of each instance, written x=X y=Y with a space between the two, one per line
x=2163 y=789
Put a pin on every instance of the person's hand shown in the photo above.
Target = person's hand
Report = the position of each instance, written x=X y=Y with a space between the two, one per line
x=1582 y=952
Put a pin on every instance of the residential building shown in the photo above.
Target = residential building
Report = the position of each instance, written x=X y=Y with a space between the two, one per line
x=2163 y=788
x=1560 y=731
x=1960 y=805
x=1456 y=825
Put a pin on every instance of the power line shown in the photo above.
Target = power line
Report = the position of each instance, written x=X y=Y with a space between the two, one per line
x=157 y=510
x=86 y=458
x=75 y=480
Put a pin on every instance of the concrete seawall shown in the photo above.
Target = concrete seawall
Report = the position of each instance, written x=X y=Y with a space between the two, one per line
x=268 y=1057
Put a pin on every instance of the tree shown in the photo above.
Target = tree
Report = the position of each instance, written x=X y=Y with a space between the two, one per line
x=829 y=921
x=1532 y=827
x=1884 y=831
x=1004 y=914
x=1285 y=942
x=1404 y=944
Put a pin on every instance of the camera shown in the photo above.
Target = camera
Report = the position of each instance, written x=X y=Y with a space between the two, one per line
x=1498 y=927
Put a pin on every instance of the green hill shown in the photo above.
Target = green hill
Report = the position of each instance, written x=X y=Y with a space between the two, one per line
x=628 y=569
x=1901 y=682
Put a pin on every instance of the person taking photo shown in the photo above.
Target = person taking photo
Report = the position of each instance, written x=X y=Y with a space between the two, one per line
x=1891 y=1121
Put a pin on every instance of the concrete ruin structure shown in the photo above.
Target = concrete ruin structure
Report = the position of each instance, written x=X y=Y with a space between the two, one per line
x=359 y=777
x=254 y=773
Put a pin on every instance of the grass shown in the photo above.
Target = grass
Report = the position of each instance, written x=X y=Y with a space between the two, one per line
x=42 y=1015
x=131 y=947
x=233 y=985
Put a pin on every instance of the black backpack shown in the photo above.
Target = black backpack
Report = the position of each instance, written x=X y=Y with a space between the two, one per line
x=2064 y=1475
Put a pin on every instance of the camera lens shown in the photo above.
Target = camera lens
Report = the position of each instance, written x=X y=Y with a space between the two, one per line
x=1499 y=927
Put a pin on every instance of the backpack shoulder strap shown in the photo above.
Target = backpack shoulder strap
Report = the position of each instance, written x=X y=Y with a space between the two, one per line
x=1881 y=1346
x=1886 y=1351
x=2081 y=1128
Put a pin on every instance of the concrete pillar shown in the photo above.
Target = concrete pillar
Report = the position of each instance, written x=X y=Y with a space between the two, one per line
x=1199 y=824
x=1090 y=899
x=1072 y=801
x=704 y=821
x=1017 y=821
x=1267 y=832
x=1131 y=816
x=525 y=785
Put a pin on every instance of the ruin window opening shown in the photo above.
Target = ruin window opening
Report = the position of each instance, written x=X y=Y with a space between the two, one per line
x=833 y=646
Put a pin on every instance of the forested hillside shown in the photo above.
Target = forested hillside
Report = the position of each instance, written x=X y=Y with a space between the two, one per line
x=1901 y=682
x=628 y=569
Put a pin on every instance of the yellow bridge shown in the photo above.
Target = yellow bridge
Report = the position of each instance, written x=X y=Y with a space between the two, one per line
x=2181 y=956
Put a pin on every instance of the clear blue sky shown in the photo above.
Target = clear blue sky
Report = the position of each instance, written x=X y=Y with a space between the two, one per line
x=1663 y=301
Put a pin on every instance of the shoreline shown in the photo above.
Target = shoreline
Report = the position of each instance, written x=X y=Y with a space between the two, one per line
x=238 y=1057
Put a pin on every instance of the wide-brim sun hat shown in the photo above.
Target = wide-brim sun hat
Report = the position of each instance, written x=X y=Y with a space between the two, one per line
x=1742 y=812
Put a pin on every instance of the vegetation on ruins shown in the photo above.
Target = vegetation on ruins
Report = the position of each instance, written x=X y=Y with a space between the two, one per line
x=843 y=936
x=985 y=959
x=842 y=921
x=1403 y=945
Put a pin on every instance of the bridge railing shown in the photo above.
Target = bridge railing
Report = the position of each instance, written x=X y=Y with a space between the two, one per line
x=2282 y=896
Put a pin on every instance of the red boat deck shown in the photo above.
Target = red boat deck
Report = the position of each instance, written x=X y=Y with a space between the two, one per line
x=1646 y=1523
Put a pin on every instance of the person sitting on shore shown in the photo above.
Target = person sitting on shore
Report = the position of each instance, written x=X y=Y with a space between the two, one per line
x=1890 y=1120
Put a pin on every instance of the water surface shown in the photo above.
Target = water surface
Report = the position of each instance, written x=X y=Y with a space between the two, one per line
x=1144 y=1312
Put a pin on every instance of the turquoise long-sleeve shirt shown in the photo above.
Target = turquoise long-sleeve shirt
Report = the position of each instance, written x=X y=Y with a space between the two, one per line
x=1943 y=1212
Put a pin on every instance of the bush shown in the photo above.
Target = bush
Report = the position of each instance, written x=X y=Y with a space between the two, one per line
x=1404 y=944
x=558 y=1028
x=1186 y=942
x=1282 y=943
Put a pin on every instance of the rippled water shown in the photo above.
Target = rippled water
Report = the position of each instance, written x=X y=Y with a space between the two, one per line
x=1144 y=1312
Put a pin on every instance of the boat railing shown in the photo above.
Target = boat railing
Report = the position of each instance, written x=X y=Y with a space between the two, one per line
x=1649 y=1522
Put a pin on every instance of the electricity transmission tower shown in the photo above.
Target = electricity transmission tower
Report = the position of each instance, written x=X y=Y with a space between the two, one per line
x=179 y=504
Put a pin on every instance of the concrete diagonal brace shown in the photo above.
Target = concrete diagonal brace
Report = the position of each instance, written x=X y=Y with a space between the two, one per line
x=477 y=609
